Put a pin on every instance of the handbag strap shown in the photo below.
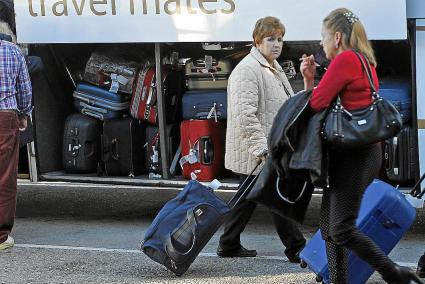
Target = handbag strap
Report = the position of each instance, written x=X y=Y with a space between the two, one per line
x=368 y=71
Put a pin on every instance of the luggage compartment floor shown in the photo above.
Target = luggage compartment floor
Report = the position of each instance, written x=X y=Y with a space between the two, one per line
x=178 y=181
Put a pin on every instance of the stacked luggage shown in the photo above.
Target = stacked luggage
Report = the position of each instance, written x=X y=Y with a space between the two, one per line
x=117 y=105
x=400 y=163
x=204 y=112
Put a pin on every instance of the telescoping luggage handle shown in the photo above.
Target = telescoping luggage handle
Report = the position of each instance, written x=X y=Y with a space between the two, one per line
x=416 y=190
x=244 y=190
x=415 y=198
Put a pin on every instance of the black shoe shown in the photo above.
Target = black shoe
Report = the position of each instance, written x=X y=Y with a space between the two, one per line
x=239 y=252
x=404 y=276
x=420 y=271
x=294 y=258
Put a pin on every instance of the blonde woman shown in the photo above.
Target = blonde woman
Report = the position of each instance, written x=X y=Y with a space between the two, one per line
x=350 y=171
x=257 y=89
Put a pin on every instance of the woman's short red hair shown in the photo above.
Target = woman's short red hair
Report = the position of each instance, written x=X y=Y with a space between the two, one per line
x=267 y=26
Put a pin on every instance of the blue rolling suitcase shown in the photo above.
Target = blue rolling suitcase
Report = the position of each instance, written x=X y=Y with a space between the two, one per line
x=99 y=103
x=186 y=223
x=399 y=94
x=385 y=215
x=202 y=104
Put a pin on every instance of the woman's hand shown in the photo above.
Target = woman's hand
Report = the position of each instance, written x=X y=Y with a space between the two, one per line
x=308 y=67
x=308 y=70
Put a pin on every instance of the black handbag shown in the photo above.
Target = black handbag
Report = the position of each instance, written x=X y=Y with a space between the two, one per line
x=287 y=197
x=369 y=125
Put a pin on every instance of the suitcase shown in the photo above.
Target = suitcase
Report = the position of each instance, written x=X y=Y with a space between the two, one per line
x=186 y=223
x=143 y=104
x=153 y=163
x=115 y=72
x=81 y=144
x=99 y=103
x=399 y=94
x=202 y=146
x=205 y=104
x=399 y=157
x=385 y=216
x=122 y=147
x=207 y=73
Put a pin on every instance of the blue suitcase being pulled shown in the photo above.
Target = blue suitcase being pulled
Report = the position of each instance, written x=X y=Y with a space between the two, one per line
x=399 y=94
x=183 y=227
x=99 y=103
x=385 y=215
x=201 y=104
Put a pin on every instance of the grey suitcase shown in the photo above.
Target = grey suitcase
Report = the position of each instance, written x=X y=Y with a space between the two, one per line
x=203 y=75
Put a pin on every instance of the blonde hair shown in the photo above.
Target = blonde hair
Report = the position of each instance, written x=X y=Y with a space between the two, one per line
x=354 y=33
x=265 y=27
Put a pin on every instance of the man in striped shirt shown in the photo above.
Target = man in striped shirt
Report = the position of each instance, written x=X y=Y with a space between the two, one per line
x=15 y=106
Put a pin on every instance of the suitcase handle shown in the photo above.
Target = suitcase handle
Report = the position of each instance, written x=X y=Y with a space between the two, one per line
x=92 y=114
x=243 y=191
x=192 y=225
x=172 y=252
x=395 y=165
x=74 y=147
x=114 y=149
x=207 y=150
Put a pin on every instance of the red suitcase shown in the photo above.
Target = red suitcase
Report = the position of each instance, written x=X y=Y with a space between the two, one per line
x=143 y=101
x=143 y=105
x=202 y=143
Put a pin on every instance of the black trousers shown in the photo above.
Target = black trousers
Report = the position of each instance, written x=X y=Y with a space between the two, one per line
x=350 y=172
x=287 y=229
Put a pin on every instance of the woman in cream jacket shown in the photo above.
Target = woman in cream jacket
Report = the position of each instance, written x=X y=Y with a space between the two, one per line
x=257 y=89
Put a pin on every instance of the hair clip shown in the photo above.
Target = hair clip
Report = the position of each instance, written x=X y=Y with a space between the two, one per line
x=351 y=17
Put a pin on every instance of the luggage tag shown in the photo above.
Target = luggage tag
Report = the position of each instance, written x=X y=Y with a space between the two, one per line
x=213 y=111
x=175 y=58
x=214 y=185
x=193 y=175
x=191 y=158
x=115 y=85
x=208 y=62
x=155 y=156
x=122 y=80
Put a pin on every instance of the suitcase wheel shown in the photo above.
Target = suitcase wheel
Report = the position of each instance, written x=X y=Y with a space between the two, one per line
x=303 y=264
x=319 y=278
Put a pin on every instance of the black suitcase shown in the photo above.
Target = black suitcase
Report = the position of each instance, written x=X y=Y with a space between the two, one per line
x=81 y=144
x=153 y=163
x=399 y=156
x=122 y=147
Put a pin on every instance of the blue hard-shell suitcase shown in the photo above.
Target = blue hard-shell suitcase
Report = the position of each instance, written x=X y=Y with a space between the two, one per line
x=99 y=103
x=399 y=94
x=385 y=216
x=201 y=103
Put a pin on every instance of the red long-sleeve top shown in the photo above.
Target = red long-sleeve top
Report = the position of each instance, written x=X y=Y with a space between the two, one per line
x=345 y=76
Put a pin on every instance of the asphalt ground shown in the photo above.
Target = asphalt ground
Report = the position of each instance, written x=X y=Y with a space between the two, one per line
x=88 y=234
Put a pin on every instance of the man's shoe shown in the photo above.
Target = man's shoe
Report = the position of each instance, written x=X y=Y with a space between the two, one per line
x=421 y=267
x=8 y=243
x=239 y=252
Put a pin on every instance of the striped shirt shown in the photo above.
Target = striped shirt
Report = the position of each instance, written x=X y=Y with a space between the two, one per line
x=15 y=84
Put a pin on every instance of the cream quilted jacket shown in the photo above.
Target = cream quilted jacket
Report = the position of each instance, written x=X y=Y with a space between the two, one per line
x=255 y=91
